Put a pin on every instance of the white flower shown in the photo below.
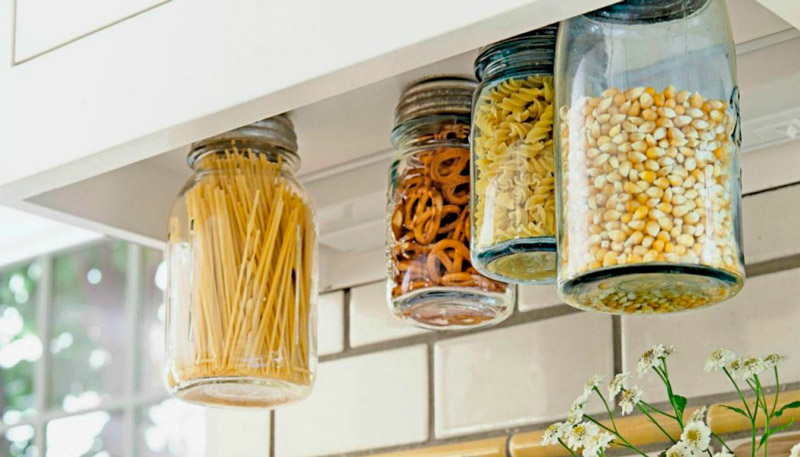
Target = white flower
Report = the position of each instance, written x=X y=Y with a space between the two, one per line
x=679 y=450
x=718 y=359
x=597 y=443
x=652 y=357
x=630 y=398
x=590 y=385
x=745 y=368
x=616 y=385
x=697 y=436
x=773 y=360
x=554 y=433
x=575 y=413
x=699 y=415
x=795 y=452
x=580 y=434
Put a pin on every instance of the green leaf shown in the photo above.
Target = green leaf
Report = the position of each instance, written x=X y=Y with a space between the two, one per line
x=736 y=410
x=794 y=404
x=772 y=431
x=680 y=404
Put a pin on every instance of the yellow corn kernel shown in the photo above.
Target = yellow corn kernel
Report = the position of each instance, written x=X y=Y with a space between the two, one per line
x=627 y=217
x=658 y=245
x=669 y=247
x=663 y=236
x=641 y=212
x=648 y=176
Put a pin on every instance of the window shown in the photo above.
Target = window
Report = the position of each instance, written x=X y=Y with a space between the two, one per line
x=81 y=348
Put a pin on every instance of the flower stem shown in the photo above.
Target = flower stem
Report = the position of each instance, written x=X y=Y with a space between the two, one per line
x=608 y=409
x=657 y=410
x=644 y=410
x=627 y=444
x=567 y=447
x=723 y=443
x=741 y=395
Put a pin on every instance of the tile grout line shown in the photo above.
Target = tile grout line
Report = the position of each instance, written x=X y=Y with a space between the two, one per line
x=272 y=433
x=346 y=318
x=431 y=395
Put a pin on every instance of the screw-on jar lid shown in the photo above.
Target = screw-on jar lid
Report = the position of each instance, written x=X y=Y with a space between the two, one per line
x=647 y=11
x=435 y=95
x=276 y=131
x=535 y=49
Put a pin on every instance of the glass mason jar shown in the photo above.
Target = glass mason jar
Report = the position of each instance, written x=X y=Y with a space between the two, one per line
x=513 y=165
x=242 y=267
x=431 y=282
x=649 y=179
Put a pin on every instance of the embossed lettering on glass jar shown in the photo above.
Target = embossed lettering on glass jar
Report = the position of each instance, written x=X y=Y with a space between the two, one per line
x=513 y=164
x=431 y=281
x=648 y=140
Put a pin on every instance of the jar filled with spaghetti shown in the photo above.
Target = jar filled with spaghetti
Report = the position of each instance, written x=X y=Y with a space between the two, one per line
x=648 y=133
x=513 y=178
x=431 y=280
x=242 y=267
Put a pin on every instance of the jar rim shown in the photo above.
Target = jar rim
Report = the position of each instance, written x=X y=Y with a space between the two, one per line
x=277 y=131
x=647 y=11
x=534 y=49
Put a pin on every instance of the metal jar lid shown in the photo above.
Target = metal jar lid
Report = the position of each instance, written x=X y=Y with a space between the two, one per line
x=277 y=131
x=535 y=49
x=647 y=11
x=444 y=94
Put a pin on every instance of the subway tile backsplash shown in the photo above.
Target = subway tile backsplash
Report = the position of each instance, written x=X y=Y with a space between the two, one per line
x=362 y=402
x=518 y=375
x=763 y=318
x=370 y=319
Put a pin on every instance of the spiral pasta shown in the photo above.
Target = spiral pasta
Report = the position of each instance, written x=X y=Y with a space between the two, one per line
x=514 y=161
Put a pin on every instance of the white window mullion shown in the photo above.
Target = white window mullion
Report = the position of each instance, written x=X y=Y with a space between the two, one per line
x=134 y=286
x=41 y=377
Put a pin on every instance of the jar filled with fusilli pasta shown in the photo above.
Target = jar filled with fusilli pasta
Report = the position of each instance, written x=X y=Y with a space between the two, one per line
x=431 y=281
x=242 y=273
x=648 y=141
x=513 y=166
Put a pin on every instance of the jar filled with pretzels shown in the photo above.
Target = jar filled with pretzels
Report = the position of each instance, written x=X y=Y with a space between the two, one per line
x=513 y=180
x=431 y=280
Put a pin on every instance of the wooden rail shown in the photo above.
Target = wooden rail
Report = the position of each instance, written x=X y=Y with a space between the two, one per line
x=636 y=429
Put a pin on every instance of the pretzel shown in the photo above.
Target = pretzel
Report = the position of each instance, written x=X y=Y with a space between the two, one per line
x=450 y=219
x=449 y=165
x=450 y=255
x=430 y=218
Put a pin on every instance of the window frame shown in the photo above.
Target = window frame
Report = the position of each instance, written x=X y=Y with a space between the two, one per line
x=131 y=399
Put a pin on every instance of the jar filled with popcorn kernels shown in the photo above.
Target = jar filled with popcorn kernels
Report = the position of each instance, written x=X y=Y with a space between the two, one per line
x=648 y=138
x=513 y=166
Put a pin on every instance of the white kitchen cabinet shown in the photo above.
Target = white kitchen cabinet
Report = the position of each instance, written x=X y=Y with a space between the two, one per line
x=96 y=121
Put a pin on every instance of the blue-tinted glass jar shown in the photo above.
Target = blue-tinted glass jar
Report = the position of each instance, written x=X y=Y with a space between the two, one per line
x=513 y=165
x=649 y=179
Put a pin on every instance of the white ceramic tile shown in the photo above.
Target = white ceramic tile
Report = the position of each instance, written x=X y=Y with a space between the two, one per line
x=363 y=402
x=771 y=222
x=535 y=297
x=331 y=323
x=517 y=375
x=370 y=318
x=237 y=432
x=762 y=319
